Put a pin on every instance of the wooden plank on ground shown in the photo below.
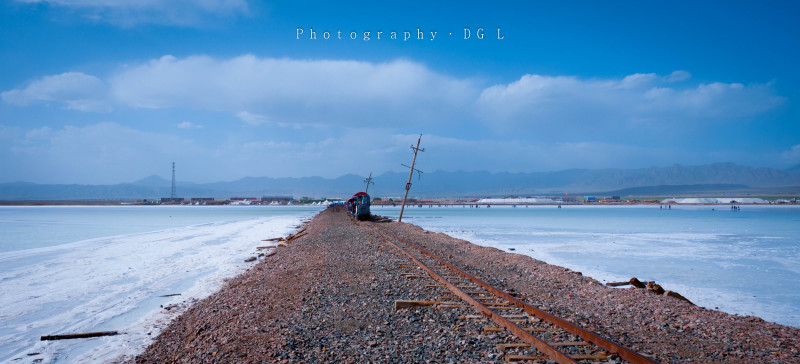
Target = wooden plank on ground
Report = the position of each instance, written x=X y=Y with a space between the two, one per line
x=399 y=304
x=655 y=288
x=637 y=283
x=79 y=336
x=676 y=295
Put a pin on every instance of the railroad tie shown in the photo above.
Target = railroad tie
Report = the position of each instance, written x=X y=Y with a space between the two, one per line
x=400 y=304
x=528 y=329
x=560 y=343
x=442 y=307
x=596 y=356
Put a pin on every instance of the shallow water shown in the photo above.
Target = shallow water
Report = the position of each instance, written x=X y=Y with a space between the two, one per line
x=29 y=227
x=110 y=266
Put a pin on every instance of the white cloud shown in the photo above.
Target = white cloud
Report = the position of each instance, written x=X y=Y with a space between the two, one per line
x=165 y=12
x=570 y=103
x=291 y=92
x=792 y=155
x=252 y=119
x=297 y=91
x=78 y=91
x=188 y=125
x=678 y=76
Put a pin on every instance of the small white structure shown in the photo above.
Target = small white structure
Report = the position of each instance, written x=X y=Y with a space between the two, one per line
x=715 y=200
x=517 y=201
x=241 y=202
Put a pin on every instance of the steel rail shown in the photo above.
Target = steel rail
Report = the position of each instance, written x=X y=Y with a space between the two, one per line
x=601 y=342
x=523 y=335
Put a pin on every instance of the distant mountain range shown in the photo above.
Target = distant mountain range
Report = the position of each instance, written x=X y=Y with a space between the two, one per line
x=719 y=178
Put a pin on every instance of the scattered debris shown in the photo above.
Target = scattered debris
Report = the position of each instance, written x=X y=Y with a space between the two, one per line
x=79 y=336
x=248 y=260
x=677 y=295
x=652 y=286
x=170 y=307
x=637 y=283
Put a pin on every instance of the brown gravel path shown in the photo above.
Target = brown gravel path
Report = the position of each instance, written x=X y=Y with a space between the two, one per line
x=328 y=297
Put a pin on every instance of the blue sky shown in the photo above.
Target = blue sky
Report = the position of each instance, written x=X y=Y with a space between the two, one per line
x=110 y=91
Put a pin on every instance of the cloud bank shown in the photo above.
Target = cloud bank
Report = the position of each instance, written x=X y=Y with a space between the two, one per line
x=638 y=100
x=353 y=93
x=535 y=122
x=72 y=153
x=261 y=90
x=76 y=90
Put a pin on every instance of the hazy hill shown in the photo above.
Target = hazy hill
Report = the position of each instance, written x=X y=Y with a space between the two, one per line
x=670 y=180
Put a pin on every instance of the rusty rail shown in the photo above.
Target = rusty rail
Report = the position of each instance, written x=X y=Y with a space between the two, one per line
x=554 y=354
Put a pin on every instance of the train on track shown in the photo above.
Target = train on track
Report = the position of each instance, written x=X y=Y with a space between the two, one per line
x=358 y=205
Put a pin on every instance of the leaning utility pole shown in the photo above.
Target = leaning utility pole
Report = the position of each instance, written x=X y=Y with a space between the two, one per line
x=410 y=173
x=368 y=181
x=172 y=194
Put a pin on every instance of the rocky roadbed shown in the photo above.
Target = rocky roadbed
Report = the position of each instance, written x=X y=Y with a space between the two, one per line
x=329 y=297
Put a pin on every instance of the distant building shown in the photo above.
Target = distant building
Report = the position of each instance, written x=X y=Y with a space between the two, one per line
x=283 y=200
x=202 y=199
x=591 y=199
x=171 y=200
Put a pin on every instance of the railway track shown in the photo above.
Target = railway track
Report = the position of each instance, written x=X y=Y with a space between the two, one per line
x=552 y=338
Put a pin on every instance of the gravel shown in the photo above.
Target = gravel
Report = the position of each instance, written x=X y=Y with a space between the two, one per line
x=329 y=297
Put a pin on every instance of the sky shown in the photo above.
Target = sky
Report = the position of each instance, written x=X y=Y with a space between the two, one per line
x=112 y=91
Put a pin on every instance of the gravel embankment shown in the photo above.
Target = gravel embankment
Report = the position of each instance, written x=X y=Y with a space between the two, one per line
x=329 y=297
